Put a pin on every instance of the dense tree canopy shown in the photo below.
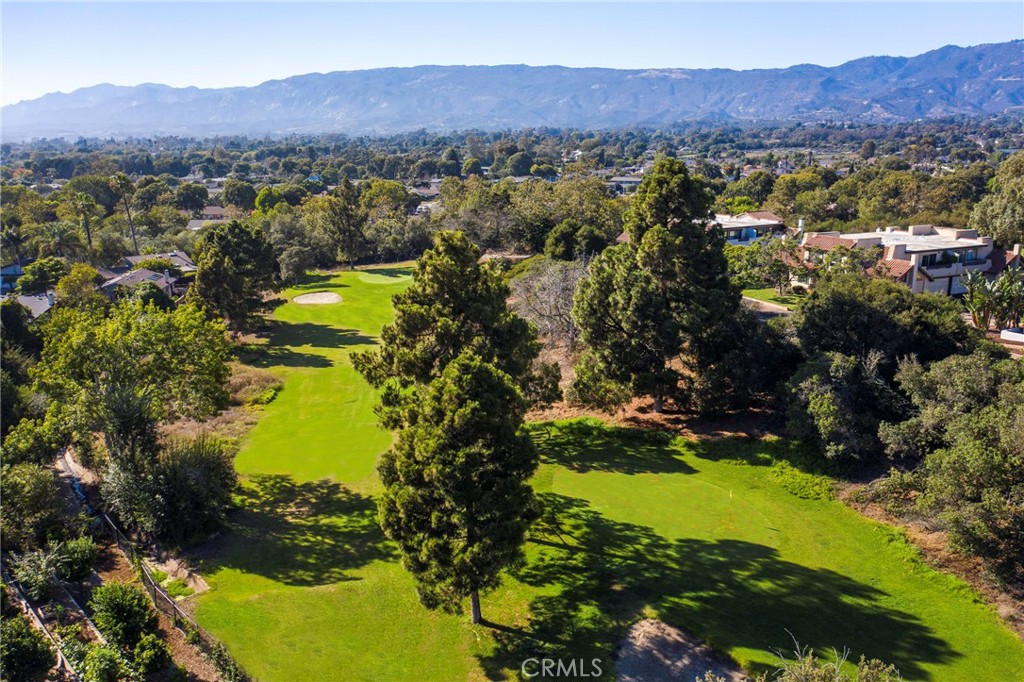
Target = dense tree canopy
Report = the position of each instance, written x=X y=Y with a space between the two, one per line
x=235 y=267
x=654 y=309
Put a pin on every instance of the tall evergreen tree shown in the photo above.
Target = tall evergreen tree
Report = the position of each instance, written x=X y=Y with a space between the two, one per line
x=236 y=265
x=655 y=309
x=457 y=498
x=454 y=304
x=455 y=368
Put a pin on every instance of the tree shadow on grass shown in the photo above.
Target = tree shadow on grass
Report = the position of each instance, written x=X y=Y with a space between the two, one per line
x=287 y=337
x=730 y=592
x=583 y=446
x=766 y=452
x=319 y=281
x=397 y=273
x=297 y=334
x=300 y=533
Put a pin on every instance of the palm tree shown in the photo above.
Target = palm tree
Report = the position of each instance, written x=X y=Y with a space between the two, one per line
x=84 y=207
x=980 y=298
x=123 y=186
x=1008 y=292
x=59 y=238
x=11 y=237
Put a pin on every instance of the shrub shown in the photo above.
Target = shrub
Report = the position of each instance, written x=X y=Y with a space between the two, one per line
x=178 y=588
x=804 y=485
x=195 y=480
x=122 y=613
x=74 y=648
x=36 y=571
x=30 y=504
x=75 y=558
x=151 y=655
x=25 y=655
x=102 y=664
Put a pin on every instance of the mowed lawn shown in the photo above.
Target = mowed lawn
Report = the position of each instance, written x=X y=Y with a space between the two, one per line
x=714 y=537
x=772 y=295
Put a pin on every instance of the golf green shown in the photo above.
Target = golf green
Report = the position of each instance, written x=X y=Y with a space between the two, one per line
x=705 y=535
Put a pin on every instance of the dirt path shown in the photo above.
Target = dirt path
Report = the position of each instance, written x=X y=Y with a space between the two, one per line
x=765 y=309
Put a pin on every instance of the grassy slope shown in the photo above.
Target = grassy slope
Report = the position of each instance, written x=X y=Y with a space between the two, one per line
x=702 y=535
x=771 y=295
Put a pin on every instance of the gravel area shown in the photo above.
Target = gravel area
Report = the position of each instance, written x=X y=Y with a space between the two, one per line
x=656 y=652
x=317 y=298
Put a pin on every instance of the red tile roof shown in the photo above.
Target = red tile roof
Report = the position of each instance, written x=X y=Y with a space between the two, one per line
x=892 y=268
x=1002 y=259
x=820 y=242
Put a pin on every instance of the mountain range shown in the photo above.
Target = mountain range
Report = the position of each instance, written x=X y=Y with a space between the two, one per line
x=979 y=80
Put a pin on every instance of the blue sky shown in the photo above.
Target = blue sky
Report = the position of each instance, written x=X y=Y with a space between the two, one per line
x=48 y=46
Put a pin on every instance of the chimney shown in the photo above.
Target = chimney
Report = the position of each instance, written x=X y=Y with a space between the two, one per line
x=49 y=298
x=1016 y=249
x=167 y=278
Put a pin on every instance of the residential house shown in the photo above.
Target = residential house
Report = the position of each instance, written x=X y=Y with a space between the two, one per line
x=179 y=259
x=785 y=167
x=923 y=257
x=36 y=304
x=114 y=287
x=11 y=272
x=213 y=213
x=623 y=184
x=743 y=229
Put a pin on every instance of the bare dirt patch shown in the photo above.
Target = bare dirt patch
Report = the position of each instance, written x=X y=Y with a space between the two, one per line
x=317 y=298
x=653 y=651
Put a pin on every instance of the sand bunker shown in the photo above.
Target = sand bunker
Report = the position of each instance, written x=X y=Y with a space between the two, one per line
x=657 y=652
x=317 y=298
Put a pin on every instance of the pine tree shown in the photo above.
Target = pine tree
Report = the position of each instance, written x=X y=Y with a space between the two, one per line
x=454 y=304
x=236 y=265
x=457 y=498
x=455 y=368
x=654 y=310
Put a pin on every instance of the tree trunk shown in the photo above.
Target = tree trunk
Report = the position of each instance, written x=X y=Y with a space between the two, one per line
x=659 y=404
x=131 y=227
x=88 y=234
x=474 y=604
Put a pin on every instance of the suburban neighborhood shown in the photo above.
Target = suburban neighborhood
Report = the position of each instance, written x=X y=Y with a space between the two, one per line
x=671 y=364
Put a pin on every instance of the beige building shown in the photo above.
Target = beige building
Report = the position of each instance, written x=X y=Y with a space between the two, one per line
x=924 y=257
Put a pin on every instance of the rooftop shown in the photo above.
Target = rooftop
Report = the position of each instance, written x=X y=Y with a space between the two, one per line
x=922 y=238
x=737 y=221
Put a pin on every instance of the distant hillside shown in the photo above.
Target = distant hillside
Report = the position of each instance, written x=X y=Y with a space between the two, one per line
x=952 y=80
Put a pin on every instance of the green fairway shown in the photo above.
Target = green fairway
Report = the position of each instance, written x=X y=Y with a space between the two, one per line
x=711 y=536
x=773 y=296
